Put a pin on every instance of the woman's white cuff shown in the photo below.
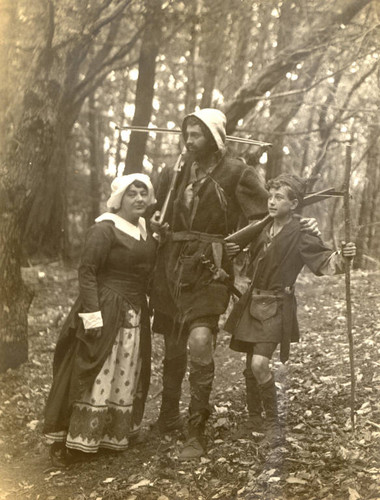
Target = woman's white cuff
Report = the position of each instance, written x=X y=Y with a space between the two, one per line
x=91 y=320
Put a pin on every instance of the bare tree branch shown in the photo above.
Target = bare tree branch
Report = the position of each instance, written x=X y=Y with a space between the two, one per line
x=356 y=86
x=81 y=88
x=323 y=31
x=109 y=17
x=314 y=84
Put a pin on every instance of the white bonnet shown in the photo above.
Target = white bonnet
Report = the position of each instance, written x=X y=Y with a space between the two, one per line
x=120 y=184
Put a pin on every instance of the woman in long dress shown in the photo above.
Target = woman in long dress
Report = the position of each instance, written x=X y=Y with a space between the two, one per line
x=101 y=367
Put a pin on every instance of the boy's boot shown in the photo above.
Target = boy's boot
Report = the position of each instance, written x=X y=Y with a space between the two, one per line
x=254 y=406
x=174 y=371
x=273 y=432
x=201 y=378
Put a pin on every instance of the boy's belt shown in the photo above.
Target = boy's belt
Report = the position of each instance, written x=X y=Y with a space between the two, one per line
x=287 y=316
x=289 y=290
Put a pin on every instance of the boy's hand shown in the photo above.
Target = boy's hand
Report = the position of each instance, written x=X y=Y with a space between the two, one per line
x=232 y=249
x=310 y=225
x=155 y=224
x=348 y=250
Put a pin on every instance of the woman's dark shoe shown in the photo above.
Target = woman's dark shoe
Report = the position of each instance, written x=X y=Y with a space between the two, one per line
x=58 y=455
x=77 y=456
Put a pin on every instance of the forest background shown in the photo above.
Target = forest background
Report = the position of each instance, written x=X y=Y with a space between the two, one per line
x=303 y=75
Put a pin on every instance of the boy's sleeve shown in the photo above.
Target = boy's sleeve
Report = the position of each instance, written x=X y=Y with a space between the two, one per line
x=251 y=194
x=318 y=257
x=334 y=265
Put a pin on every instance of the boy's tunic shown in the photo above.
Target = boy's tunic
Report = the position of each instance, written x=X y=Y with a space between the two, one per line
x=193 y=273
x=267 y=311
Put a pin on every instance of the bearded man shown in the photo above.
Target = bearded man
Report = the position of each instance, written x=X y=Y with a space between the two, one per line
x=194 y=272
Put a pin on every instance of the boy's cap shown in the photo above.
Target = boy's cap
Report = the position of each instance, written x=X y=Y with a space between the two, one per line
x=297 y=184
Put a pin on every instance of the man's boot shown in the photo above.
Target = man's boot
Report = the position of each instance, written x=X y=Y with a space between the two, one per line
x=273 y=431
x=254 y=406
x=201 y=378
x=174 y=371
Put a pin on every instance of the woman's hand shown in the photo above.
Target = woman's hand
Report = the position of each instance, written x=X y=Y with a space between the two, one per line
x=232 y=249
x=348 y=250
x=94 y=333
x=310 y=225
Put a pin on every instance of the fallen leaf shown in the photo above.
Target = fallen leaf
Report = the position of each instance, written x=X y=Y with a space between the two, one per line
x=143 y=482
x=271 y=472
x=221 y=422
x=353 y=494
x=109 y=480
x=295 y=480
x=32 y=425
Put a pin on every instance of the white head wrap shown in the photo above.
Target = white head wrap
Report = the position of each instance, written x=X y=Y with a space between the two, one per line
x=120 y=184
x=215 y=121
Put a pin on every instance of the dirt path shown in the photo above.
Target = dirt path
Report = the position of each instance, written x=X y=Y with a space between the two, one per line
x=320 y=459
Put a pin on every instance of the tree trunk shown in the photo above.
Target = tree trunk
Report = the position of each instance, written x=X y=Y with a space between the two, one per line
x=278 y=107
x=367 y=214
x=96 y=165
x=192 y=58
x=43 y=233
x=240 y=59
x=15 y=298
x=24 y=162
x=121 y=120
x=145 y=86
x=8 y=10
x=284 y=109
x=213 y=44
x=24 y=165
x=374 y=175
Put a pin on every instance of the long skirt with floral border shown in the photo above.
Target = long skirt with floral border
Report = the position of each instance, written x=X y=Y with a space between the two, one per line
x=111 y=411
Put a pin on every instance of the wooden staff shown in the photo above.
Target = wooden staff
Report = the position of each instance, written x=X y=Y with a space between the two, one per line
x=347 y=230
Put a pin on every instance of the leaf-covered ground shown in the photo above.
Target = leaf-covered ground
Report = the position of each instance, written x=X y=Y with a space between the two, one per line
x=321 y=457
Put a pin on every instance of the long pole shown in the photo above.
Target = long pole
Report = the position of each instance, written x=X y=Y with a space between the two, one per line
x=163 y=130
x=176 y=170
x=347 y=230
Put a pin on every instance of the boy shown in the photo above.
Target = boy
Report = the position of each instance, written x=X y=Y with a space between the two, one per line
x=266 y=314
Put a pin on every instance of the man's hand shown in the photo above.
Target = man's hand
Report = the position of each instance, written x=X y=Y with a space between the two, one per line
x=94 y=333
x=310 y=225
x=348 y=250
x=155 y=224
x=232 y=249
